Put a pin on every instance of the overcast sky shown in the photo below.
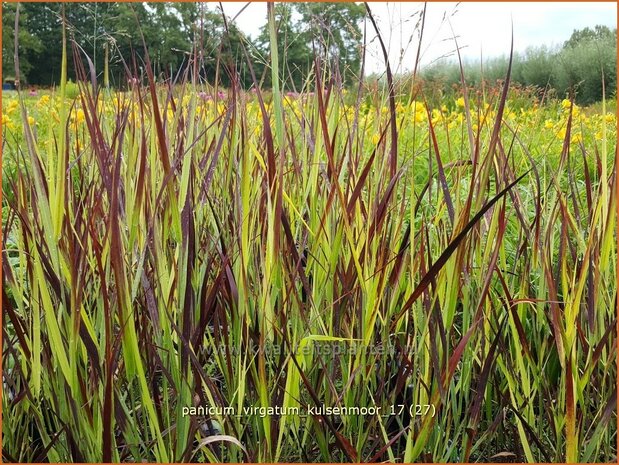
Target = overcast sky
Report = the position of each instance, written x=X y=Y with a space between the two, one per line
x=481 y=28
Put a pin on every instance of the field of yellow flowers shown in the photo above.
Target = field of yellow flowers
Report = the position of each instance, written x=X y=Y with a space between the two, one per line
x=193 y=273
x=549 y=119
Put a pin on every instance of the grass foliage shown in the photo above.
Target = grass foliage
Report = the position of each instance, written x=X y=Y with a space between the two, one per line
x=175 y=245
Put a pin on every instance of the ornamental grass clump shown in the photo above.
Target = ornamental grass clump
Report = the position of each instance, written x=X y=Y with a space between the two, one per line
x=451 y=270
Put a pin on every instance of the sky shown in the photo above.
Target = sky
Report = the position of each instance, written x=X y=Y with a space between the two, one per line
x=481 y=29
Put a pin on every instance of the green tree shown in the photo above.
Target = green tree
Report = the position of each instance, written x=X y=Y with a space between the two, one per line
x=577 y=66
x=170 y=31
x=292 y=44
x=28 y=43
x=221 y=48
x=335 y=32
x=599 y=32
x=588 y=55
x=329 y=31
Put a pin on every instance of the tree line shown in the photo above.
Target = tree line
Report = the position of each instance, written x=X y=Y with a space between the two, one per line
x=117 y=33
x=582 y=66
x=170 y=31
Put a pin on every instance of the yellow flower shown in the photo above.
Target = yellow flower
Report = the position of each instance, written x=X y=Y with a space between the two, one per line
x=170 y=115
x=12 y=107
x=419 y=107
x=548 y=124
x=565 y=104
x=576 y=138
x=609 y=118
x=79 y=116
x=460 y=102
x=561 y=133
x=583 y=119
x=6 y=122
x=436 y=116
x=31 y=121
x=43 y=101
x=598 y=135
